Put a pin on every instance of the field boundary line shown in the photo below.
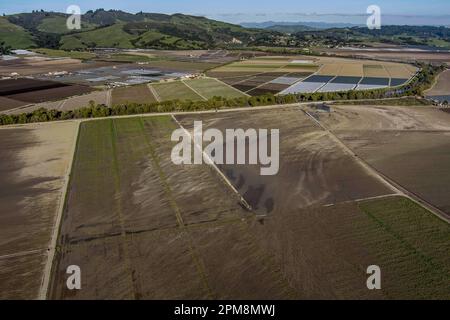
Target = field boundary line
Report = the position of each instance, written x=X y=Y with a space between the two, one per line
x=201 y=96
x=62 y=104
x=302 y=80
x=109 y=98
x=391 y=183
x=320 y=88
x=388 y=73
x=119 y=205
x=45 y=282
x=392 y=195
x=197 y=226
x=231 y=87
x=246 y=79
x=197 y=260
x=347 y=150
x=210 y=162
x=268 y=82
x=153 y=91
x=19 y=108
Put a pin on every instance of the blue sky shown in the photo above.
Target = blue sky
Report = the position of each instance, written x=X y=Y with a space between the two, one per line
x=396 y=11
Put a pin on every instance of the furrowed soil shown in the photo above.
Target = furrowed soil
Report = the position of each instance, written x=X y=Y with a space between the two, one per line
x=408 y=144
x=134 y=94
x=324 y=252
x=314 y=169
x=33 y=163
x=141 y=227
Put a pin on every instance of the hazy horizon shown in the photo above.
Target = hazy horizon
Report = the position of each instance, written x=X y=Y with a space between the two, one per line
x=410 y=12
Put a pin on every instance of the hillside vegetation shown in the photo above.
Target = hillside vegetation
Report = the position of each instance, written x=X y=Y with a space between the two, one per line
x=118 y=29
x=15 y=36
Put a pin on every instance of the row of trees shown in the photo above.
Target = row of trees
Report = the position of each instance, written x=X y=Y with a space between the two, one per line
x=421 y=82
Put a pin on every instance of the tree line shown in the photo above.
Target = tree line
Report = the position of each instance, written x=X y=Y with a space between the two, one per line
x=423 y=80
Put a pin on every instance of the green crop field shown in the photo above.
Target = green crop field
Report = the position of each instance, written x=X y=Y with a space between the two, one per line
x=175 y=90
x=69 y=54
x=411 y=244
x=210 y=88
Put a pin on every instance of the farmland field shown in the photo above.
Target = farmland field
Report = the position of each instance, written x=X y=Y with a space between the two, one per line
x=408 y=144
x=324 y=172
x=209 y=88
x=72 y=103
x=251 y=76
x=155 y=231
x=41 y=65
x=143 y=224
x=377 y=71
x=133 y=94
x=34 y=91
x=441 y=90
x=324 y=251
x=8 y=104
x=175 y=90
x=399 y=54
x=34 y=161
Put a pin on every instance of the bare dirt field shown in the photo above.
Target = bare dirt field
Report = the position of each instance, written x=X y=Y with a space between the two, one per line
x=138 y=228
x=199 y=56
x=312 y=167
x=142 y=228
x=8 y=104
x=133 y=94
x=34 y=162
x=442 y=86
x=408 y=144
x=29 y=66
x=396 y=55
x=72 y=103
x=419 y=161
x=30 y=91
x=51 y=94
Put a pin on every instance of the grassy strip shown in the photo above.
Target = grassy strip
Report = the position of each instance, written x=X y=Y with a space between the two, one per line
x=408 y=101
x=81 y=55
x=404 y=226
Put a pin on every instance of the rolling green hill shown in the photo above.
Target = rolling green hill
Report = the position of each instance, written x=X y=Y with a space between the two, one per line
x=118 y=29
x=104 y=37
x=15 y=36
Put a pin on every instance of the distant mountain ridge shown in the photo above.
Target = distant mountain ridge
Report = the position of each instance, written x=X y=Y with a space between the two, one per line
x=306 y=25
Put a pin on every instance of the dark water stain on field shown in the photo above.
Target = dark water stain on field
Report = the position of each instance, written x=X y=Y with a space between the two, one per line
x=20 y=217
